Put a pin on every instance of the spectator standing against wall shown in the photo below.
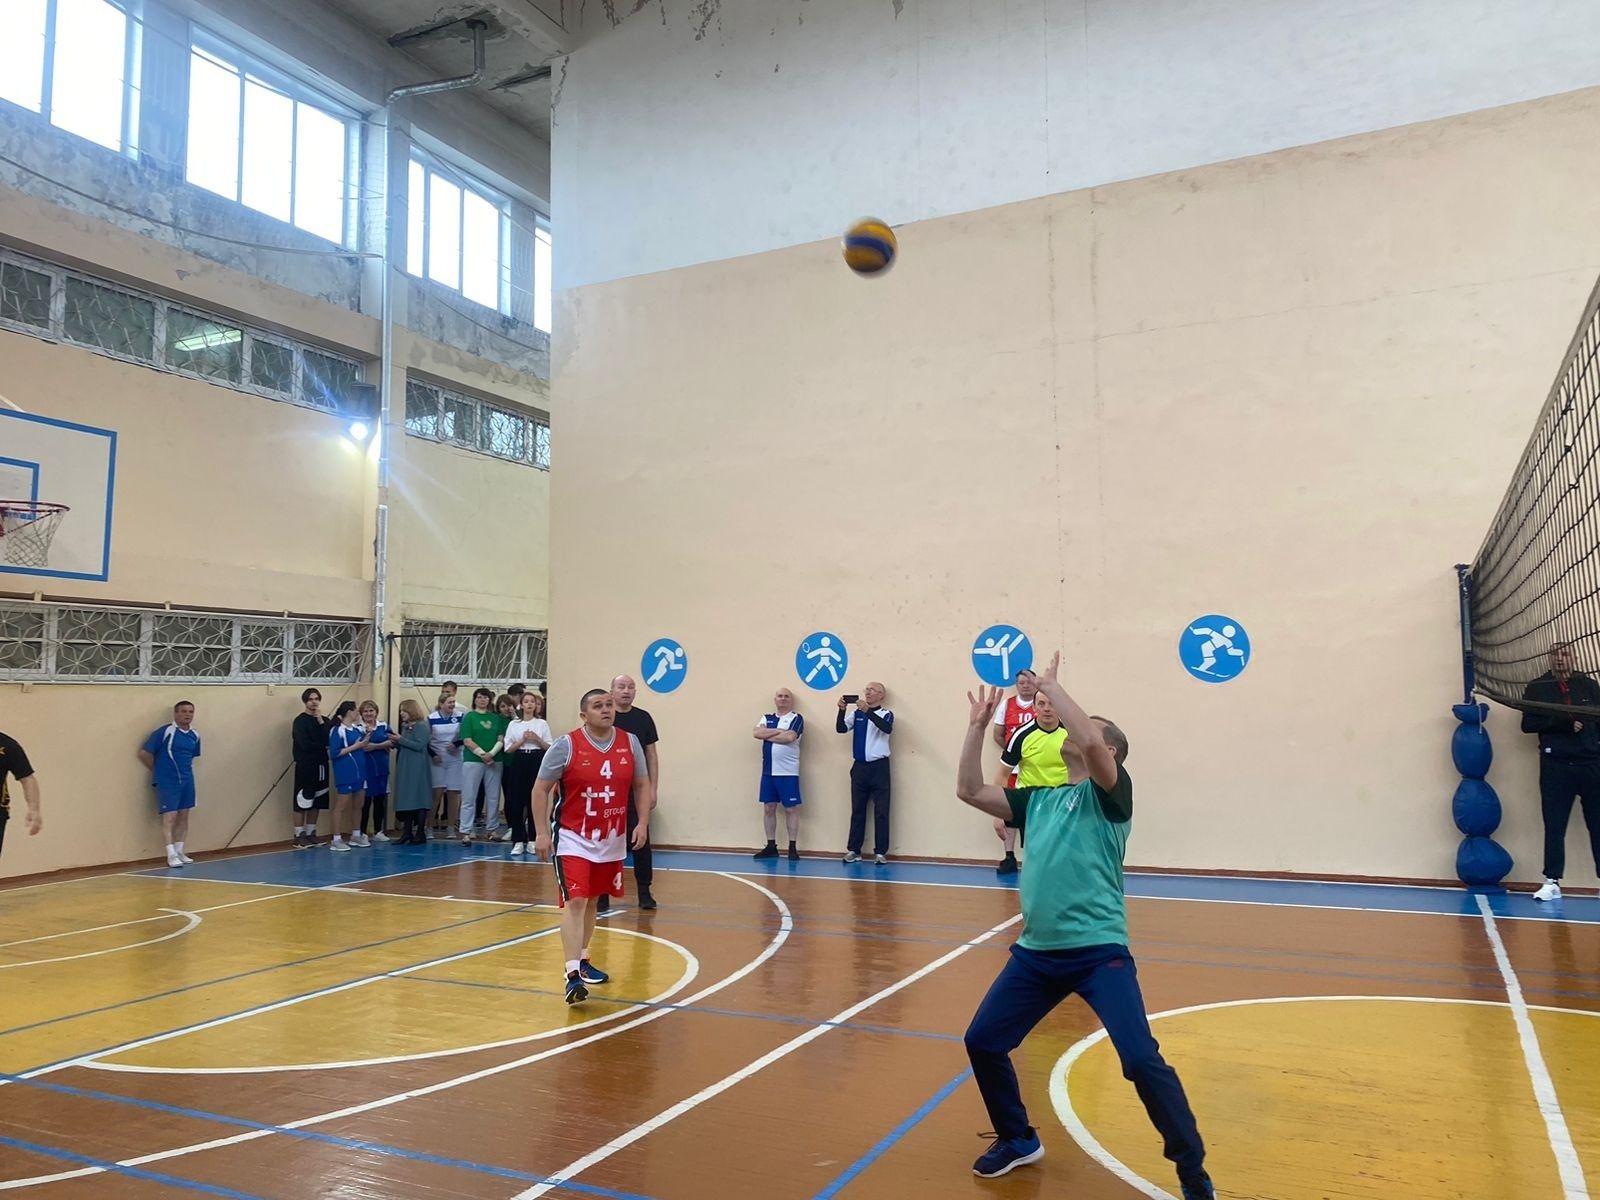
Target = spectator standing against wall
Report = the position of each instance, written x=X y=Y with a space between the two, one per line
x=169 y=754
x=444 y=753
x=1015 y=712
x=779 y=733
x=413 y=774
x=527 y=739
x=869 y=726
x=380 y=745
x=309 y=743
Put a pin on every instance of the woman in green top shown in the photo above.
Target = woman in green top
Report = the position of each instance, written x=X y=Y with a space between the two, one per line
x=482 y=738
x=412 y=790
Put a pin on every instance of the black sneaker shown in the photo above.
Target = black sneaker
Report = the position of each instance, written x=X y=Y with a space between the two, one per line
x=770 y=850
x=604 y=905
x=646 y=900
x=576 y=992
x=794 y=852
x=1008 y=865
x=1198 y=1188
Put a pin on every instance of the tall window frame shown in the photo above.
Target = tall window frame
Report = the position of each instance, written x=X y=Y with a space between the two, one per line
x=439 y=254
x=261 y=83
x=46 y=21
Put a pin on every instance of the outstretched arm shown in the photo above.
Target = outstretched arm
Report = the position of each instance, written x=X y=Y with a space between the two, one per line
x=1081 y=731
x=970 y=787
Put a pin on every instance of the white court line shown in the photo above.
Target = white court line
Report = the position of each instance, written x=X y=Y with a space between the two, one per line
x=755 y=964
x=1573 y=1186
x=766 y=1060
x=1061 y=1099
x=690 y=973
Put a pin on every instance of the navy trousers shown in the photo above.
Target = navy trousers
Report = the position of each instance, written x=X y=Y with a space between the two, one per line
x=1034 y=982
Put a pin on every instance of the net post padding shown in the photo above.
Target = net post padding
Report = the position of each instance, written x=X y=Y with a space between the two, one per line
x=1536 y=578
x=26 y=530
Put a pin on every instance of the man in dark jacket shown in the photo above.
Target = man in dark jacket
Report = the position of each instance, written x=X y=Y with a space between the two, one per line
x=1569 y=758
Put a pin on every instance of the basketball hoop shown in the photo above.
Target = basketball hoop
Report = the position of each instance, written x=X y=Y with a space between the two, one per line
x=26 y=530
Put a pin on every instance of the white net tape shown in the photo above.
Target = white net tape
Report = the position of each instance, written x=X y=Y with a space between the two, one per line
x=26 y=531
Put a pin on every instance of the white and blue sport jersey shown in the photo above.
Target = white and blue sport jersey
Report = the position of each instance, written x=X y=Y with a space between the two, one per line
x=779 y=758
x=869 y=735
x=174 y=751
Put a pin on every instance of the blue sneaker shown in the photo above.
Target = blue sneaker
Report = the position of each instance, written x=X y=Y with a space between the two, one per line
x=576 y=992
x=591 y=974
x=1199 y=1189
x=1007 y=1154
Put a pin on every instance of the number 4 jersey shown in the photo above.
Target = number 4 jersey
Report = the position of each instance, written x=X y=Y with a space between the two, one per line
x=590 y=815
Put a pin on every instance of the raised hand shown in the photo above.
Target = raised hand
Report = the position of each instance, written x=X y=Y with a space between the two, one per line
x=983 y=706
x=1048 y=675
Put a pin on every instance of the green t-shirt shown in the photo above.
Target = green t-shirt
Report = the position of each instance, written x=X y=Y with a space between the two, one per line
x=483 y=728
x=1072 y=889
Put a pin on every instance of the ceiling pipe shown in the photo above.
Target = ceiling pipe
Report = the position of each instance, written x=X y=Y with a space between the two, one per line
x=380 y=549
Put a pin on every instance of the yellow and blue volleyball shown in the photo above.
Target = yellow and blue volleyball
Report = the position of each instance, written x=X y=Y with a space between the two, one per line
x=869 y=246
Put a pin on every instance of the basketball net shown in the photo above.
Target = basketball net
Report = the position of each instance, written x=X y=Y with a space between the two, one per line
x=26 y=531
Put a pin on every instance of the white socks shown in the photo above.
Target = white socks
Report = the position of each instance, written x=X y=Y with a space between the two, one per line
x=572 y=965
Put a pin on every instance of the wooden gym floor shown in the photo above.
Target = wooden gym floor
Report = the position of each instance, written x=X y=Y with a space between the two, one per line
x=388 y=1024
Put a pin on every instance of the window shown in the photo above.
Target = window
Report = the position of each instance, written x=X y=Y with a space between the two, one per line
x=74 y=62
x=81 y=643
x=431 y=653
x=541 y=280
x=267 y=144
x=456 y=234
x=441 y=415
x=53 y=302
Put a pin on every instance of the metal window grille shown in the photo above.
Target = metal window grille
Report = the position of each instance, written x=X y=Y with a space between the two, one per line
x=97 y=644
x=431 y=653
x=441 y=415
x=53 y=302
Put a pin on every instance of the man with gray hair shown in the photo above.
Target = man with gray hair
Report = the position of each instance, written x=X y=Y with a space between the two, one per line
x=869 y=728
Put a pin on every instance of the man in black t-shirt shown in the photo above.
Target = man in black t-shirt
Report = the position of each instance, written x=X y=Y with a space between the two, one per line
x=643 y=726
x=15 y=765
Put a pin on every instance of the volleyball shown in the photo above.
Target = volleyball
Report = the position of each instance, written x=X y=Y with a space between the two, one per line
x=869 y=246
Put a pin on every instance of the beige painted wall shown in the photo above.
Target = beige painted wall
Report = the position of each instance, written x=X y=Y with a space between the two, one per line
x=230 y=501
x=1289 y=388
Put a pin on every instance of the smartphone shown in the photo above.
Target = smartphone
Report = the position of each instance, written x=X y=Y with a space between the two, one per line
x=852 y=699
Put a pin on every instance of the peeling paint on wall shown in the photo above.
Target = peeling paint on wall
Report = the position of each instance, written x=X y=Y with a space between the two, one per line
x=705 y=14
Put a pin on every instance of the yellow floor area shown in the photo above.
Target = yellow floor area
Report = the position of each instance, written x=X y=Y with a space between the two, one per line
x=1358 y=1100
x=320 y=976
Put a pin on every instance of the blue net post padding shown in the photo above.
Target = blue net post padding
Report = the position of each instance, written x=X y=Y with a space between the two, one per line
x=1481 y=862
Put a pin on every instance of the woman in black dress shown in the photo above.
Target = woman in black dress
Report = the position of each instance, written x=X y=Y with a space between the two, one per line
x=310 y=740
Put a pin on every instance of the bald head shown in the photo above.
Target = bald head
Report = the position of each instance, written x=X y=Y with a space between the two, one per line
x=623 y=690
x=874 y=694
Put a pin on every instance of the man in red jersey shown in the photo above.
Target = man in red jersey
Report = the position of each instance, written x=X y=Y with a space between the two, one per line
x=1011 y=716
x=584 y=830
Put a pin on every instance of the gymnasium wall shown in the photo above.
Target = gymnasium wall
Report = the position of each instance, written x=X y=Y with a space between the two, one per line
x=1290 y=388
x=232 y=501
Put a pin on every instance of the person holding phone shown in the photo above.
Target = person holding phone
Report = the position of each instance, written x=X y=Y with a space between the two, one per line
x=869 y=727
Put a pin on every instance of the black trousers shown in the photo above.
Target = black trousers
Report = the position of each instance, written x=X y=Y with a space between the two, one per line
x=377 y=808
x=1560 y=783
x=869 y=784
x=644 y=867
x=521 y=774
x=4 y=817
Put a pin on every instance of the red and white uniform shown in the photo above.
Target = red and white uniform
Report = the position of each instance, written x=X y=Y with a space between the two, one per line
x=591 y=815
x=1010 y=717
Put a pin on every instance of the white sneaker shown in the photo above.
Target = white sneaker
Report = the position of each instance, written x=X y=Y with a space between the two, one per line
x=519 y=848
x=186 y=859
x=174 y=859
x=339 y=844
x=881 y=860
x=1550 y=891
x=506 y=836
x=381 y=837
x=852 y=857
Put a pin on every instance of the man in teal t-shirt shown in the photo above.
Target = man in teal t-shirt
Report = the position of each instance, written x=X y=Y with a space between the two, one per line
x=1074 y=935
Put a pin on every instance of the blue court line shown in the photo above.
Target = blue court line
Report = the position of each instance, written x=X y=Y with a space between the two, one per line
x=669 y=1006
x=298 y=962
x=245 y=1012
x=83 y=1160
x=311 y=868
x=894 y=1135
x=305 y=1135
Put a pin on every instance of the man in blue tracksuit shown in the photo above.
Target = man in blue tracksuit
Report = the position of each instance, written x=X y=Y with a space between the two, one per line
x=169 y=754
